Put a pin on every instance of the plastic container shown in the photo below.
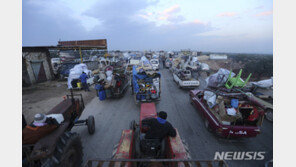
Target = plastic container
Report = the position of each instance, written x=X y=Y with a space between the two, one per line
x=79 y=85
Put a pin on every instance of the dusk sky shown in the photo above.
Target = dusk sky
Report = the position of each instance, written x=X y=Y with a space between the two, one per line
x=244 y=26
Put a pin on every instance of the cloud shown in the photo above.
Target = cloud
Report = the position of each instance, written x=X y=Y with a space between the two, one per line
x=170 y=14
x=196 y=21
x=266 y=13
x=127 y=25
x=56 y=8
x=227 y=14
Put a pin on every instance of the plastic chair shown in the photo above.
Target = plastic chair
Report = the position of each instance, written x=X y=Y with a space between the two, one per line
x=236 y=81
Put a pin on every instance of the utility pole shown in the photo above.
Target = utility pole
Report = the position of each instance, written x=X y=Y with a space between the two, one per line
x=80 y=55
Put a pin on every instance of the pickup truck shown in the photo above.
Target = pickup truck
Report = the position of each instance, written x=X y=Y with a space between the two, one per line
x=246 y=121
x=184 y=79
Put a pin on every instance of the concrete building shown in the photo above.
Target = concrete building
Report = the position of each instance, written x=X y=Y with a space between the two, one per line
x=36 y=65
x=218 y=57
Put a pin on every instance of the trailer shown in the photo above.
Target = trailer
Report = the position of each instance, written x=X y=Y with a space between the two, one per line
x=145 y=85
x=114 y=81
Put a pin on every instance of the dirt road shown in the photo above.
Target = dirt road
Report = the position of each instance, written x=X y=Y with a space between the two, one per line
x=113 y=116
x=42 y=97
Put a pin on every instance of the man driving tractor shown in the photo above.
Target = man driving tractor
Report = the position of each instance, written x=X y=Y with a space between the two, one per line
x=159 y=127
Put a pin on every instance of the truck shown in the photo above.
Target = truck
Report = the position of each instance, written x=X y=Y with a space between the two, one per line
x=184 y=79
x=225 y=118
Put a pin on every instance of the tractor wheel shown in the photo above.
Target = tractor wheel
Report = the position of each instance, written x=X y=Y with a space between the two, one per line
x=190 y=100
x=179 y=85
x=133 y=125
x=114 y=151
x=137 y=144
x=68 y=152
x=91 y=124
x=269 y=115
x=207 y=125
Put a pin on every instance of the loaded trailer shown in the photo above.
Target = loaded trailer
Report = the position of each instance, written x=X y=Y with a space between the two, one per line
x=145 y=85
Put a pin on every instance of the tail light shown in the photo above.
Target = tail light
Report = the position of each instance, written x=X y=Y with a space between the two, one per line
x=257 y=130
x=118 y=84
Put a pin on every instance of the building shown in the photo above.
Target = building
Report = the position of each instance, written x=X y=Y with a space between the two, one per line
x=218 y=57
x=36 y=65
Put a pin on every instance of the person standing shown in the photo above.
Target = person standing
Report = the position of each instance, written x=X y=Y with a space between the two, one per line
x=83 y=78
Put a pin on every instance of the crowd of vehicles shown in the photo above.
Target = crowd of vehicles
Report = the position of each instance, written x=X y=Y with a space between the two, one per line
x=228 y=114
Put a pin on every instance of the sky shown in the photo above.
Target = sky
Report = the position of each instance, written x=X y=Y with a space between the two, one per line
x=237 y=26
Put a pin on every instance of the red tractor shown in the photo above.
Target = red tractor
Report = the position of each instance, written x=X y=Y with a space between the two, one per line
x=52 y=145
x=133 y=152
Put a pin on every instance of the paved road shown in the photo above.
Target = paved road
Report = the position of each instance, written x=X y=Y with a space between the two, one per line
x=112 y=116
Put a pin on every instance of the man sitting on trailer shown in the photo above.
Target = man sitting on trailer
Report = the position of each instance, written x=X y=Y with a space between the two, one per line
x=40 y=127
x=159 y=127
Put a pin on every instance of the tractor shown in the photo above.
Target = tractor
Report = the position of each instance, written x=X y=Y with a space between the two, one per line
x=52 y=145
x=133 y=152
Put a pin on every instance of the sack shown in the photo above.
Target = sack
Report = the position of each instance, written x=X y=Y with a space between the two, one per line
x=102 y=95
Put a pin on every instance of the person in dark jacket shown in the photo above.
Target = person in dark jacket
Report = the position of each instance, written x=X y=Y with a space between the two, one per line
x=83 y=78
x=159 y=127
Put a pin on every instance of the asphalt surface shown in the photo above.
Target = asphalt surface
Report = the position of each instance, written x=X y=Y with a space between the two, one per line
x=114 y=115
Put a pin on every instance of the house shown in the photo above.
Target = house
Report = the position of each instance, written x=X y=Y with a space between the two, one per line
x=36 y=65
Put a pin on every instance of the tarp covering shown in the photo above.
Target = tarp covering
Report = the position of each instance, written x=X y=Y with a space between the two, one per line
x=137 y=76
x=268 y=83
x=75 y=73
x=219 y=79
x=140 y=75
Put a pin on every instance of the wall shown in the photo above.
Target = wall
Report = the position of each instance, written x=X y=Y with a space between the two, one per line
x=37 y=56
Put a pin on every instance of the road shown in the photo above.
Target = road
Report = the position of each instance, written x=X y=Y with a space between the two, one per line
x=114 y=115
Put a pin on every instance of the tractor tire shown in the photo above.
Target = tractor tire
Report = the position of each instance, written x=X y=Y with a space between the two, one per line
x=190 y=100
x=114 y=151
x=269 y=115
x=179 y=86
x=68 y=152
x=132 y=125
x=207 y=125
x=91 y=124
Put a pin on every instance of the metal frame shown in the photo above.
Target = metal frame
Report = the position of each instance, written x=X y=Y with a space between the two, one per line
x=172 y=162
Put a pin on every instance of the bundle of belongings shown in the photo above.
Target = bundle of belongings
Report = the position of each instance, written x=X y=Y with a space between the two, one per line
x=109 y=81
x=40 y=127
x=267 y=83
x=219 y=79
x=75 y=73
x=231 y=111
x=146 y=84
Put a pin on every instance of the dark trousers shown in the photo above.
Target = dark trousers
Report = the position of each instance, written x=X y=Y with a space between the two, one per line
x=85 y=86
